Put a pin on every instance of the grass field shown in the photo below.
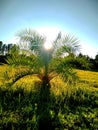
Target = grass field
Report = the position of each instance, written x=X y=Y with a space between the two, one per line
x=87 y=79
x=71 y=107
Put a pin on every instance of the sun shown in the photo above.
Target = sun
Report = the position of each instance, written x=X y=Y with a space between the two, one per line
x=48 y=46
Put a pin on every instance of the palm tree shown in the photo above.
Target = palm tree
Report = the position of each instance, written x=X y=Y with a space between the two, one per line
x=44 y=63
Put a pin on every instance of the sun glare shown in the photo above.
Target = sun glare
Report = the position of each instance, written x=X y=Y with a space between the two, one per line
x=50 y=33
x=48 y=46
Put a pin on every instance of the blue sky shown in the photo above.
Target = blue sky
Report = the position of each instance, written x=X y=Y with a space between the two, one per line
x=77 y=17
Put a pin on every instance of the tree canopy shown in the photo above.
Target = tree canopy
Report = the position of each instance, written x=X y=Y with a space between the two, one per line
x=45 y=64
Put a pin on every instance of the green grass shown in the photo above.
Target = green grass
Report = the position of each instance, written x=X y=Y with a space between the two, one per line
x=70 y=107
x=88 y=76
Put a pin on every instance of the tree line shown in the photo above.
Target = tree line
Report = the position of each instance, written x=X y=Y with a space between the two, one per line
x=5 y=50
x=83 y=62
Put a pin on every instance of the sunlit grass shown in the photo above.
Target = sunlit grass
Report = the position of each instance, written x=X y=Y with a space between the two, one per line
x=88 y=80
x=3 y=68
x=88 y=76
x=28 y=82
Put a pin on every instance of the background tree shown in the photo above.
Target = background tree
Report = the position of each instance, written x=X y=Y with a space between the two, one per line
x=96 y=62
x=83 y=62
x=1 y=43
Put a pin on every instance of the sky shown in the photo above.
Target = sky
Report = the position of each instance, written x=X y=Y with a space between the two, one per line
x=75 y=17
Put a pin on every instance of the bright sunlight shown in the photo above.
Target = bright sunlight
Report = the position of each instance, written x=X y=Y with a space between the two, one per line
x=50 y=33
x=48 y=46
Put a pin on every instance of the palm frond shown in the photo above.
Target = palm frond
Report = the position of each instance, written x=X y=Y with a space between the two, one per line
x=20 y=74
x=66 y=72
x=32 y=39
x=65 y=45
x=19 y=60
x=71 y=42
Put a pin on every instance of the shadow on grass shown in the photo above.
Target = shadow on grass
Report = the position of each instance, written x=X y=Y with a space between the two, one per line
x=28 y=110
x=45 y=109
